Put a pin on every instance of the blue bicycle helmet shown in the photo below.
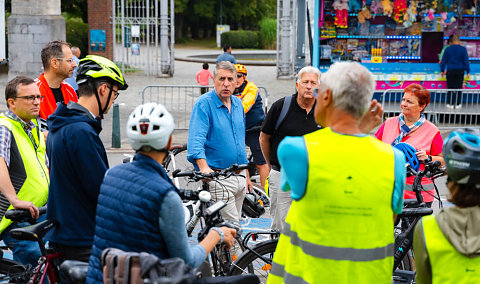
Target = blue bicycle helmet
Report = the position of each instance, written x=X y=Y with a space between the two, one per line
x=410 y=155
x=461 y=152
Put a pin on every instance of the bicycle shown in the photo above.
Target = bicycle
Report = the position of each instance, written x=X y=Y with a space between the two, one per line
x=177 y=159
x=194 y=212
x=14 y=272
x=413 y=211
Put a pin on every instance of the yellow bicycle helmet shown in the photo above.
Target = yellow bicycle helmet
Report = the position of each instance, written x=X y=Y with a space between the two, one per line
x=241 y=69
x=96 y=67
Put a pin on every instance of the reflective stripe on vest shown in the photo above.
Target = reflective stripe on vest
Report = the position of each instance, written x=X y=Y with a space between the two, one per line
x=340 y=231
x=336 y=253
x=35 y=187
x=448 y=265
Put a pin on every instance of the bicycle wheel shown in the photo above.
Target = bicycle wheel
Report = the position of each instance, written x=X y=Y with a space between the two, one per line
x=250 y=261
x=177 y=159
x=225 y=258
x=12 y=272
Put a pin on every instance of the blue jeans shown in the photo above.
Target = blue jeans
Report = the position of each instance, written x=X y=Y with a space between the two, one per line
x=25 y=252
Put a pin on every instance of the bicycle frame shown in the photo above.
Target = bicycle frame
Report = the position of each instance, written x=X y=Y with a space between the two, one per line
x=46 y=268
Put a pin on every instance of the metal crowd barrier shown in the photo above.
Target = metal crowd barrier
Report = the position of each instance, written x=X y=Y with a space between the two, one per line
x=179 y=100
x=437 y=111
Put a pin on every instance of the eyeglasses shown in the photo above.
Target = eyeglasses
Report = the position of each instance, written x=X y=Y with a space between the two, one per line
x=31 y=98
x=69 y=60
x=239 y=75
x=114 y=92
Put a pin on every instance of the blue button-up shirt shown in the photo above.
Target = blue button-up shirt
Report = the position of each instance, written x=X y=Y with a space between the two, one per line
x=215 y=134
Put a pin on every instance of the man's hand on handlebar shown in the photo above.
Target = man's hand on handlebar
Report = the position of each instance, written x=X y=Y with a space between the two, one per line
x=27 y=205
x=229 y=234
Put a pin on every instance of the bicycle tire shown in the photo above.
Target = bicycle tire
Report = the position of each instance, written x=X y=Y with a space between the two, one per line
x=12 y=272
x=249 y=262
x=179 y=153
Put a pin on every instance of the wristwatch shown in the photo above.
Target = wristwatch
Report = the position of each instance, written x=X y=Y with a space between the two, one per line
x=220 y=232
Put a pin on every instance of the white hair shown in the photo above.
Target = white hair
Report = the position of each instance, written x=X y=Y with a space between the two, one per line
x=352 y=87
x=309 y=69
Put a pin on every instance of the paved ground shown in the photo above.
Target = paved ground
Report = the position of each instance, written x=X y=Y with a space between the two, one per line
x=264 y=76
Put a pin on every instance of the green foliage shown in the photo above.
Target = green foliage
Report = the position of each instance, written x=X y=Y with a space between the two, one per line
x=241 y=39
x=77 y=34
x=268 y=33
x=76 y=9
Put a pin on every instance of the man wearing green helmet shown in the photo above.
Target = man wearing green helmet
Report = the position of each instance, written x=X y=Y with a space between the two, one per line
x=77 y=157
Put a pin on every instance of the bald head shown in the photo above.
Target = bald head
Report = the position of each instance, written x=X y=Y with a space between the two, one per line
x=76 y=51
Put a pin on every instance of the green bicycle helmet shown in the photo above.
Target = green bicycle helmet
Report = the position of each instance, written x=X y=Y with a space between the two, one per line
x=96 y=67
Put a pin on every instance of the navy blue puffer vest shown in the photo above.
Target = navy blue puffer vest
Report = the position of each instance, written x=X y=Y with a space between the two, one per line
x=128 y=211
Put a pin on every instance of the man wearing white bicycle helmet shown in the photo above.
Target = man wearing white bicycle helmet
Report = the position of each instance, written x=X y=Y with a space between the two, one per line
x=148 y=200
x=78 y=160
x=447 y=245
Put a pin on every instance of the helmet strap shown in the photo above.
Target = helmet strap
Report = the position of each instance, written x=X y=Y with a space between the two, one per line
x=95 y=91
x=108 y=99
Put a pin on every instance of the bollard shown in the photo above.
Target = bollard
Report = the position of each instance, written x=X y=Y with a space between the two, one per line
x=116 y=126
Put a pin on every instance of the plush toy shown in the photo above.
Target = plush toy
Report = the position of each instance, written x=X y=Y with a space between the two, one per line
x=376 y=7
x=354 y=5
x=411 y=14
x=399 y=9
x=364 y=14
x=447 y=18
x=341 y=13
x=387 y=7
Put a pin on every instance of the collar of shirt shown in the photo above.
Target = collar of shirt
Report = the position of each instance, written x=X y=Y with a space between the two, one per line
x=219 y=103
x=28 y=127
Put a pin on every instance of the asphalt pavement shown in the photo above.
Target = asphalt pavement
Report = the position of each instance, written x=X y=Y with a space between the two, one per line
x=184 y=74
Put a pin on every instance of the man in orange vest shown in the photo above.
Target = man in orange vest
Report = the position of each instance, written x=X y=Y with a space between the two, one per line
x=58 y=64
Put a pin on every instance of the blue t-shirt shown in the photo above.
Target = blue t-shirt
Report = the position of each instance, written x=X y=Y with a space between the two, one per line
x=293 y=158
x=455 y=57
x=226 y=57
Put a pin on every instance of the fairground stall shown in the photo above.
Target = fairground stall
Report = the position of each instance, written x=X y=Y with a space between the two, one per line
x=401 y=43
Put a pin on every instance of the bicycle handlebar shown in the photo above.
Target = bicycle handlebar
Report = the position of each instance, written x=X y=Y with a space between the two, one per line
x=432 y=170
x=198 y=175
x=23 y=215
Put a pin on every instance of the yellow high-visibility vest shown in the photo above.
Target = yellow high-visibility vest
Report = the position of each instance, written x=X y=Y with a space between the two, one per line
x=448 y=265
x=341 y=230
x=35 y=185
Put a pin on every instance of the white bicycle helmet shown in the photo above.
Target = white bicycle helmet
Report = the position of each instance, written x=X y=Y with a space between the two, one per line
x=150 y=125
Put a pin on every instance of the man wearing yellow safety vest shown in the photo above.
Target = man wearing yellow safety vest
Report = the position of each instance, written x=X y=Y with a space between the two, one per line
x=23 y=171
x=346 y=186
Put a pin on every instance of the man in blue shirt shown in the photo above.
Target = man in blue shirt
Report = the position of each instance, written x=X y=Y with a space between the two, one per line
x=455 y=59
x=226 y=55
x=216 y=138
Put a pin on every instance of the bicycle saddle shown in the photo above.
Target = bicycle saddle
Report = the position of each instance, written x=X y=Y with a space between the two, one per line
x=34 y=232
x=76 y=271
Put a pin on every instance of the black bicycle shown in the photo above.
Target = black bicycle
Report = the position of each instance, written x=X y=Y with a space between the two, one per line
x=47 y=268
x=413 y=211
x=221 y=258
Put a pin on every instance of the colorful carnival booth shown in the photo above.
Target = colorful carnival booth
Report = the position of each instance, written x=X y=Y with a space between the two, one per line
x=400 y=41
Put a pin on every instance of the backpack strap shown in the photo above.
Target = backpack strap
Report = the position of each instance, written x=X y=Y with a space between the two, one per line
x=286 y=105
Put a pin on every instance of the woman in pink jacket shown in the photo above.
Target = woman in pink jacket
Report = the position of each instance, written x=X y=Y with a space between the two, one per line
x=411 y=127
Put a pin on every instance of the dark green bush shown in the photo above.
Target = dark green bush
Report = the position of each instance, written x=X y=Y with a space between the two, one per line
x=77 y=34
x=241 y=39
x=268 y=33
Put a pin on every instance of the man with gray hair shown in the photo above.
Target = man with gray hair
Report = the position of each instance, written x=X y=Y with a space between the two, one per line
x=289 y=116
x=216 y=139
x=347 y=188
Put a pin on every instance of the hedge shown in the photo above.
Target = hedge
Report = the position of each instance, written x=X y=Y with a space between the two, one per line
x=77 y=34
x=268 y=33
x=241 y=39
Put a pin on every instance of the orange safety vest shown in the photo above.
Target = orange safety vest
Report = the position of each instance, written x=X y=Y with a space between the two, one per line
x=48 y=105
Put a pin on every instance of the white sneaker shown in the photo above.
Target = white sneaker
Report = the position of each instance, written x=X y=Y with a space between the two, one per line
x=449 y=106
x=458 y=106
